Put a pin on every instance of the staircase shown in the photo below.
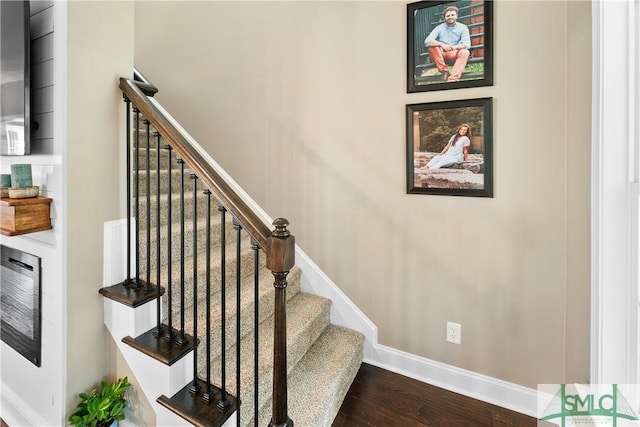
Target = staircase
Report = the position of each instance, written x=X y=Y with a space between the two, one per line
x=235 y=318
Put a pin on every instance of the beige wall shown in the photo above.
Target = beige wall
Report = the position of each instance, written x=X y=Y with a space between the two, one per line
x=139 y=411
x=99 y=50
x=303 y=104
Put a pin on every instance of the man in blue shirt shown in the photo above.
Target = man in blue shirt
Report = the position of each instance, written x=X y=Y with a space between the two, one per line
x=449 y=43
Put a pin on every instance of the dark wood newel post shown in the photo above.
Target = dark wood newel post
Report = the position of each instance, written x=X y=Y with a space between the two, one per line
x=280 y=260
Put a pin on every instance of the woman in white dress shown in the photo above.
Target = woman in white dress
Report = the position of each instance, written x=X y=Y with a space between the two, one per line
x=456 y=150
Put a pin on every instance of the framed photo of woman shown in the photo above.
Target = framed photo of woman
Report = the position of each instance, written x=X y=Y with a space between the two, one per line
x=449 y=148
x=449 y=44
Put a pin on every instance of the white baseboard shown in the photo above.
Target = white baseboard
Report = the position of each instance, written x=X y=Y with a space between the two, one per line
x=481 y=387
x=345 y=313
x=16 y=412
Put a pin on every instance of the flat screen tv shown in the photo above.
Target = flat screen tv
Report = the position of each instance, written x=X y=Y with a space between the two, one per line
x=15 y=120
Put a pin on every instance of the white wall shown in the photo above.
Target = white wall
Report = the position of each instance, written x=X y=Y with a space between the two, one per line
x=34 y=395
x=303 y=104
x=79 y=162
x=616 y=194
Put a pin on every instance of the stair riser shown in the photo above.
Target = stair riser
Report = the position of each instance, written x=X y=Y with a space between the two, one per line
x=153 y=159
x=142 y=159
x=142 y=132
x=175 y=209
x=164 y=180
x=201 y=242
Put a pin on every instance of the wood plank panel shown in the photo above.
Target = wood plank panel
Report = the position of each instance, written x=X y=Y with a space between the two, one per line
x=45 y=128
x=36 y=6
x=42 y=23
x=42 y=100
x=42 y=74
x=42 y=49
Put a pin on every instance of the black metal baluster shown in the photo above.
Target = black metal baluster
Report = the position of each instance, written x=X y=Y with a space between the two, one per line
x=238 y=228
x=195 y=386
x=223 y=403
x=182 y=340
x=128 y=282
x=159 y=328
x=148 y=210
x=136 y=283
x=170 y=334
x=256 y=320
x=207 y=395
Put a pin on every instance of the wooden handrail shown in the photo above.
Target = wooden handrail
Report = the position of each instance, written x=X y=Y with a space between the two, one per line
x=147 y=87
x=256 y=228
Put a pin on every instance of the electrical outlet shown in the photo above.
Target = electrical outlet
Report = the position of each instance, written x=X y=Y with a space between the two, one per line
x=454 y=332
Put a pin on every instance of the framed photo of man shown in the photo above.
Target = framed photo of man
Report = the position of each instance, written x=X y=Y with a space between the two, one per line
x=449 y=148
x=449 y=45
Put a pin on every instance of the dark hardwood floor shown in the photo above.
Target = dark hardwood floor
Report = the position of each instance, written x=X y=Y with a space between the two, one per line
x=381 y=398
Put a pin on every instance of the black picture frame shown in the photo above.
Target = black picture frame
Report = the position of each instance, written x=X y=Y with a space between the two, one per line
x=422 y=17
x=429 y=128
x=21 y=303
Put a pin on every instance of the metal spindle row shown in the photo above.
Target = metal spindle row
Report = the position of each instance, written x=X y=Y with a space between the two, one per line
x=167 y=331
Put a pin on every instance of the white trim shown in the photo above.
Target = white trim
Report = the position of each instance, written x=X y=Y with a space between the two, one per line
x=60 y=88
x=614 y=229
x=115 y=257
x=596 y=186
x=16 y=412
x=472 y=384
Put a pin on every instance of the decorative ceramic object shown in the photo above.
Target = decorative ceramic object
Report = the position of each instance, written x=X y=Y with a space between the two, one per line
x=21 y=176
x=5 y=180
x=22 y=193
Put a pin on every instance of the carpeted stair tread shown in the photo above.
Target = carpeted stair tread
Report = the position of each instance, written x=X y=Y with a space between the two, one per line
x=175 y=207
x=321 y=379
x=307 y=318
x=164 y=179
x=175 y=233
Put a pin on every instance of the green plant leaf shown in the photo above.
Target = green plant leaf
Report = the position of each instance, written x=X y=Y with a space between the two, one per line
x=101 y=406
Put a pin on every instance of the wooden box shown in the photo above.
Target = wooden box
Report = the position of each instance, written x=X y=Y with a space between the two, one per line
x=21 y=216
